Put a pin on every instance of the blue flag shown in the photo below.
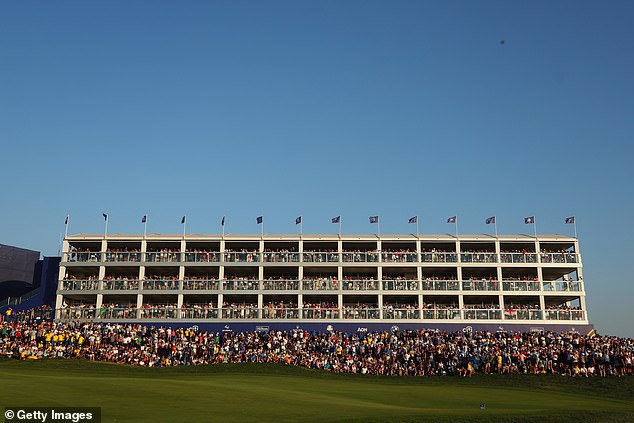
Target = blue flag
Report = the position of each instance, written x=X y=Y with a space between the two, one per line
x=259 y=220
x=144 y=219
x=298 y=220
x=490 y=220
x=452 y=219
x=413 y=219
x=336 y=219
x=105 y=216
x=530 y=219
x=570 y=219
x=183 y=220
x=374 y=219
x=222 y=222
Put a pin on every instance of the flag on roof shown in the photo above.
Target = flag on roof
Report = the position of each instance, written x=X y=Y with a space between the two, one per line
x=336 y=219
x=452 y=219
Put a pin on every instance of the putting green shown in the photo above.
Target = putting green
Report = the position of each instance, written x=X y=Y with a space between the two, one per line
x=262 y=393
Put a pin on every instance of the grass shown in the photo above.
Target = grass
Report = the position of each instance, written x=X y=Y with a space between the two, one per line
x=277 y=393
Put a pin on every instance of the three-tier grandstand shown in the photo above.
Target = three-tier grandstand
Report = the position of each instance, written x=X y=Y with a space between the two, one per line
x=324 y=282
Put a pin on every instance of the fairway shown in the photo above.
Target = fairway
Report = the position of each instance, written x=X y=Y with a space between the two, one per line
x=256 y=393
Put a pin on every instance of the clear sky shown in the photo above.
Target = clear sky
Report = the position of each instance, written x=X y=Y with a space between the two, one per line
x=324 y=108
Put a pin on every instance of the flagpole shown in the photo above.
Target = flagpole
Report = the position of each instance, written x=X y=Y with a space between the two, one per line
x=574 y=225
x=417 y=234
x=339 y=226
x=66 y=226
x=223 y=228
x=145 y=227
x=184 y=226
x=456 y=226
x=535 y=225
x=495 y=225
x=59 y=247
x=378 y=226
x=301 y=227
x=105 y=232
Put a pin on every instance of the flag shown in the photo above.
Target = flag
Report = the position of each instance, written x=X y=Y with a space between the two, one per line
x=413 y=219
x=374 y=219
x=144 y=219
x=105 y=216
x=570 y=219
x=336 y=219
x=490 y=220
x=530 y=219
x=259 y=219
x=452 y=219
x=222 y=222
x=183 y=220
x=66 y=221
x=298 y=220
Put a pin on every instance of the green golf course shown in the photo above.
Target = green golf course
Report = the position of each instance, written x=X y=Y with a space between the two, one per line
x=277 y=393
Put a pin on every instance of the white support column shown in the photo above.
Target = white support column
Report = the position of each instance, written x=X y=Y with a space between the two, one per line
x=139 y=304
x=340 y=300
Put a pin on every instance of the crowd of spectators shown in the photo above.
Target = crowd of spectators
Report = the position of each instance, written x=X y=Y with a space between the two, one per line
x=413 y=353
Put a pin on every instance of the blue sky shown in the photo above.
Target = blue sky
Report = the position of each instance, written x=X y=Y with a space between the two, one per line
x=324 y=108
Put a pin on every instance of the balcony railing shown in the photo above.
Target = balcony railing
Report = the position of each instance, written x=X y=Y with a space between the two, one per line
x=117 y=313
x=320 y=257
x=400 y=285
x=72 y=313
x=399 y=257
x=320 y=284
x=121 y=285
x=280 y=313
x=522 y=314
x=360 y=285
x=161 y=284
x=478 y=257
x=441 y=313
x=189 y=312
x=204 y=312
x=169 y=312
x=480 y=285
x=202 y=257
x=360 y=257
x=80 y=284
x=122 y=256
x=163 y=256
x=482 y=314
x=401 y=313
x=240 y=313
x=562 y=286
x=200 y=285
x=515 y=286
x=83 y=256
x=558 y=257
x=320 y=313
x=564 y=314
x=280 y=257
x=242 y=257
x=360 y=313
x=241 y=285
x=440 y=285
x=439 y=257
x=518 y=257
x=280 y=285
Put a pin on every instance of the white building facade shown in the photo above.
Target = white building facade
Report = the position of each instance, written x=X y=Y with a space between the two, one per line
x=323 y=282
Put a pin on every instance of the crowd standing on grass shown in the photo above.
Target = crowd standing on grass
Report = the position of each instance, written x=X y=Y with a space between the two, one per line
x=28 y=335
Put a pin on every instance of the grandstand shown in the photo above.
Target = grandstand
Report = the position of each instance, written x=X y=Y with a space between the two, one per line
x=323 y=282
